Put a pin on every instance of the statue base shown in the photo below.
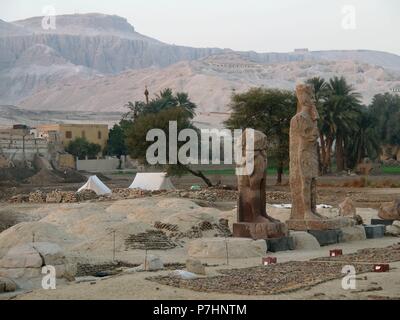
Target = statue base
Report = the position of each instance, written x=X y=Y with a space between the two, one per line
x=321 y=224
x=260 y=231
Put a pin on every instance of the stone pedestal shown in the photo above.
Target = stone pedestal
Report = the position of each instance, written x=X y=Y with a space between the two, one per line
x=382 y=222
x=321 y=224
x=280 y=244
x=327 y=237
x=375 y=231
x=258 y=231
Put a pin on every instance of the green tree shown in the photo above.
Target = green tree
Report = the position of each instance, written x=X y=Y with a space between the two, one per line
x=365 y=142
x=82 y=148
x=269 y=111
x=340 y=117
x=386 y=109
x=116 y=142
x=320 y=96
x=166 y=99
x=157 y=114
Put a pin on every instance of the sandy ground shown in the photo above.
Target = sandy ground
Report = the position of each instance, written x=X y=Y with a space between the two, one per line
x=135 y=286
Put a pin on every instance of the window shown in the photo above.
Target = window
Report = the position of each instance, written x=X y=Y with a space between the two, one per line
x=99 y=135
x=68 y=134
x=83 y=134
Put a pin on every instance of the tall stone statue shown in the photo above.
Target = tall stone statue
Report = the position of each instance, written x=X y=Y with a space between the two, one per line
x=304 y=156
x=253 y=220
x=303 y=149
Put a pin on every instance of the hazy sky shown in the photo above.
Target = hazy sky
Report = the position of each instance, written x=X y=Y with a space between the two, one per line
x=259 y=25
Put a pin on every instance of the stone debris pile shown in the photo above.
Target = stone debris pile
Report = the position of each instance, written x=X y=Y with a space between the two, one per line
x=370 y=255
x=55 y=196
x=220 y=229
x=265 y=280
x=150 y=240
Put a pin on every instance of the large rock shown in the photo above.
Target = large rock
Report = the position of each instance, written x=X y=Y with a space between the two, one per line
x=217 y=248
x=393 y=230
x=195 y=266
x=304 y=241
x=7 y=285
x=23 y=256
x=390 y=211
x=355 y=233
x=347 y=208
x=26 y=261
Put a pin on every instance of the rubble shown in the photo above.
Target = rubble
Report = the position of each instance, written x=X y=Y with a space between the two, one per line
x=37 y=197
x=86 y=195
x=150 y=240
x=55 y=196
x=265 y=280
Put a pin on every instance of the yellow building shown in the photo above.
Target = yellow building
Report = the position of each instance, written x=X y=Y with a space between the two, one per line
x=65 y=133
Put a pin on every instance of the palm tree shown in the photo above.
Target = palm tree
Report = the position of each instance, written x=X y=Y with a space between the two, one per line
x=365 y=142
x=183 y=101
x=166 y=99
x=320 y=94
x=342 y=113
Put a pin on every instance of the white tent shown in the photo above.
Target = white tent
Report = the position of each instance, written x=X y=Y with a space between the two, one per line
x=152 y=182
x=96 y=185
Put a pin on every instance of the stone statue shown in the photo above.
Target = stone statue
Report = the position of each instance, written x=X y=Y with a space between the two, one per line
x=253 y=220
x=303 y=166
x=304 y=156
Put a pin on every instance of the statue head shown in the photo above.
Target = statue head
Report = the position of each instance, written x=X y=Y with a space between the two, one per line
x=259 y=141
x=305 y=99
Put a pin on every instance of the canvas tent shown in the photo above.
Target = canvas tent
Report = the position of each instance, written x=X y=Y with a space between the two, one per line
x=152 y=182
x=96 y=185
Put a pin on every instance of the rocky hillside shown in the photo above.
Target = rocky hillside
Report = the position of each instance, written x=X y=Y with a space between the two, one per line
x=209 y=81
x=99 y=62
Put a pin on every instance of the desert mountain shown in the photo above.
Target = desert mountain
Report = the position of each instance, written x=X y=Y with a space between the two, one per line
x=210 y=82
x=97 y=62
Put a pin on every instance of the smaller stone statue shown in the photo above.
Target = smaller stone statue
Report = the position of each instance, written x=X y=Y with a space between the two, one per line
x=253 y=220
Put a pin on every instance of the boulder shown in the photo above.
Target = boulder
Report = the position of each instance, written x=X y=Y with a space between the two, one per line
x=390 y=211
x=347 y=208
x=7 y=285
x=218 y=247
x=304 y=241
x=195 y=266
x=393 y=230
x=23 y=256
x=26 y=261
x=355 y=233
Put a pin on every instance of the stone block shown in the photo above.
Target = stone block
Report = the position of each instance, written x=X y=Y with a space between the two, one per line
x=218 y=247
x=323 y=224
x=259 y=231
x=327 y=237
x=384 y=222
x=375 y=231
x=153 y=263
x=195 y=266
x=280 y=244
